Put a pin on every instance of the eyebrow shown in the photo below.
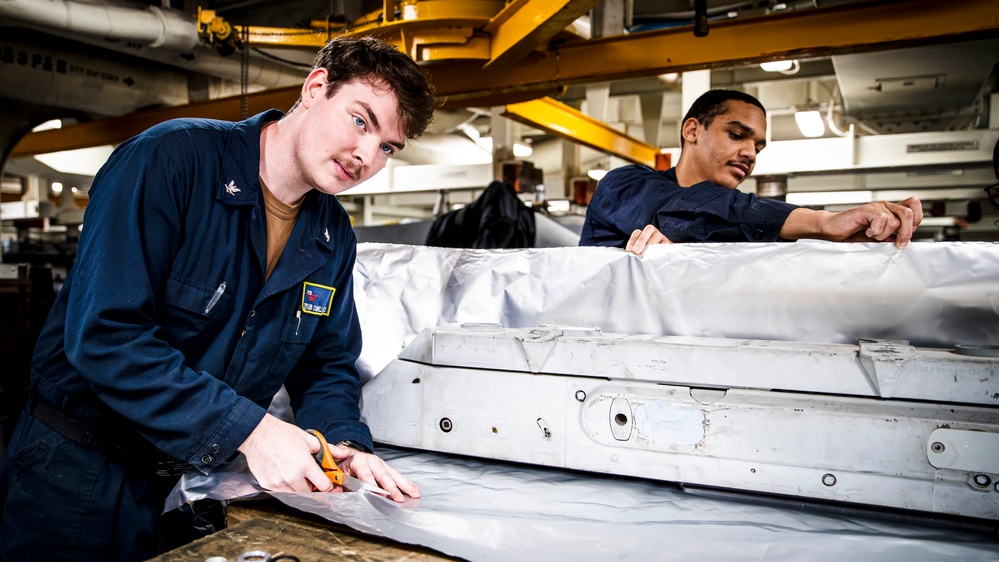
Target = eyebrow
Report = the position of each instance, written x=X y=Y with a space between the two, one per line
x=749 y=131
x=374 y=123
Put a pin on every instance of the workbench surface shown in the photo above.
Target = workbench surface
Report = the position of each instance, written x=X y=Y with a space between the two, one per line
x=270 y=526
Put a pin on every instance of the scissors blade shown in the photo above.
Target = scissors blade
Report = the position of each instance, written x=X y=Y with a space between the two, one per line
x=354 y=485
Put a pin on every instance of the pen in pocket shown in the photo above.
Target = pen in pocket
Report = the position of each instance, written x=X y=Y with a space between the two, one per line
x=215 y=297
x=298 y=317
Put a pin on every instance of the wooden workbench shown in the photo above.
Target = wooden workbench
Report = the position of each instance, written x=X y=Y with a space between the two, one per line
x=270 y=526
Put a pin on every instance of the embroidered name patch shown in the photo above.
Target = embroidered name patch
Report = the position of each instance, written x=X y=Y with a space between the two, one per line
x=316 y=299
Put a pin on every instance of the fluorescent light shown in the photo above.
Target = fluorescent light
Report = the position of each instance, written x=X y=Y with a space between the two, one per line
x=83 y=161
x=778 y=65
x=597 y=173
x=810 y=123
x=51 y=124
x=522 y=150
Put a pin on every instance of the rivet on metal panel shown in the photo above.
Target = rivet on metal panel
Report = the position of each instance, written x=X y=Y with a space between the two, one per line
x=580 y=395
x=828 y=479
x=937 y=447
x=982 y=480
x=445 y=425
x=544 y=428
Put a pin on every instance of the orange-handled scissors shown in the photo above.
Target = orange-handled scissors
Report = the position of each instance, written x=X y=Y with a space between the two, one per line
x=335 y=474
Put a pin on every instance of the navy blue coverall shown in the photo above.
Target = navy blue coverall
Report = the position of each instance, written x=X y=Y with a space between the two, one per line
x=167 y=342
x=631 y=197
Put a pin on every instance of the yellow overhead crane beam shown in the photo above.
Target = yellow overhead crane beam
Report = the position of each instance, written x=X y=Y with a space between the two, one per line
x=570 y=124
x=846 y=28
x=428 y=30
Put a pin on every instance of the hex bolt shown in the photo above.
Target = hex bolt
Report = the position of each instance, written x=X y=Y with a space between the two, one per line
x=445 y=425
x=580 y=395
x=937 y=447
x=828 y=479
x=982 y=480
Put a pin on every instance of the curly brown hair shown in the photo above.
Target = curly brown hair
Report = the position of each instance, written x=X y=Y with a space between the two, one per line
x=372 y=60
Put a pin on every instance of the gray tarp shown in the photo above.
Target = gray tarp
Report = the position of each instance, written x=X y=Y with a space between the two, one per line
x=932 y=294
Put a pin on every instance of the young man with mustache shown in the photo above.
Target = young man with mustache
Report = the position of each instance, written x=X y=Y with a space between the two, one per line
x=697 y=200
x=215 y=264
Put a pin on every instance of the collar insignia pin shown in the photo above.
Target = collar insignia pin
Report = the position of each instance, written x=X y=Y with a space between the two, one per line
x=231 y=188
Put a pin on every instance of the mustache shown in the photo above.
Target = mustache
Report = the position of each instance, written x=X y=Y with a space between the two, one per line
x=350 y=168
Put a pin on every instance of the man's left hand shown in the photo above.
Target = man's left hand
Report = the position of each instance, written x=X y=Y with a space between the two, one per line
x=370 y=468
x=641 y=239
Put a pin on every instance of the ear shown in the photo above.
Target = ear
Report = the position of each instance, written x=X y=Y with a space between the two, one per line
x=314 y=86
x=690 y=129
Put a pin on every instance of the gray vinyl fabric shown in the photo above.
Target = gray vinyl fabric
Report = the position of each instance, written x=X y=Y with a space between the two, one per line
x=931 y=294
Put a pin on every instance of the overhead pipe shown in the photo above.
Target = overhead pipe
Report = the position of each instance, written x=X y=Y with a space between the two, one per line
x=163 y=35
x=152 y=26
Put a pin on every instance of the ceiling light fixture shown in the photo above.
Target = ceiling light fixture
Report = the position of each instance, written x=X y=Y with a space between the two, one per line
x=810 y=123
x=522 y=150
x=597 y=174
x=782 y=66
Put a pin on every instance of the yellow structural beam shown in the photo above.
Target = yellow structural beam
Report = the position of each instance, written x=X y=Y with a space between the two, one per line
x=526 y=24
x=117 y=129
x=563 y=121
x=839 y=29
x=845 y=28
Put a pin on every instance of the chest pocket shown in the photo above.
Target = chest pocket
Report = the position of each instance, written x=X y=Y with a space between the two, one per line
x=188 y=310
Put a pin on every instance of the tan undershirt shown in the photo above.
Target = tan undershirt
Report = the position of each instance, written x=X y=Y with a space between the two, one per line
x=281 y=219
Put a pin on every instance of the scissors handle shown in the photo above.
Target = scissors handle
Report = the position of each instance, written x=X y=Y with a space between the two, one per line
x=325 y=460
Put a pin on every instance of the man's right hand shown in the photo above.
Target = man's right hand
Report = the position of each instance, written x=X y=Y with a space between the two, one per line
x=641 y=239
x=881 y=221
x=280 y=456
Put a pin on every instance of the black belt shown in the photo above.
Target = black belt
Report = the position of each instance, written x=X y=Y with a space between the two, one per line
x=101 y=438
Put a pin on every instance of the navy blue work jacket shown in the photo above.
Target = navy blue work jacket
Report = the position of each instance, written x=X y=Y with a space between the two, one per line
x=631 y=197
x=165 y=323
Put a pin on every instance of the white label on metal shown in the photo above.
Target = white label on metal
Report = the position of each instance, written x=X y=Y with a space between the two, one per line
x=973 y=451
x=664 y=425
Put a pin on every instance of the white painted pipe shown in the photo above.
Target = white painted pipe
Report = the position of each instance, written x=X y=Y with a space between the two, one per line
x=153 y=26
x=163 y=35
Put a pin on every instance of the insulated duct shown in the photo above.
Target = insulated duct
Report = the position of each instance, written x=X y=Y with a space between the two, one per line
x=148 y=32
x=153 y=26
x=61 y=77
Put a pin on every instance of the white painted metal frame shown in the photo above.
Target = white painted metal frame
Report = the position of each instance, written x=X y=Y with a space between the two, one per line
x=879 y=423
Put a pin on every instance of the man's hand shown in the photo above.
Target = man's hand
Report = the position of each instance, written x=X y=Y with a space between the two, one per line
x=279 y=455
x=371 y=469
x=640 y=239
x=874 y=222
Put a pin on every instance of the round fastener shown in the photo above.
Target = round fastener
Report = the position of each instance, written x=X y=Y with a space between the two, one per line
x=982 y=480
x=445 y=425
x=828 y=479
x=207 y=459
x=757 y=234
x=253 y=313
x=937 y=447
x=580 y=395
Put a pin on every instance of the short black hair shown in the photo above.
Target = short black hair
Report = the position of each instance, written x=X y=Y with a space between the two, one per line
x=366 y=58
x=713 y=103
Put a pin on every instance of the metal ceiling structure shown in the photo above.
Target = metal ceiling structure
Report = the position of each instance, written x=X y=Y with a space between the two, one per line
x=881 y=67
x=466 y=80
